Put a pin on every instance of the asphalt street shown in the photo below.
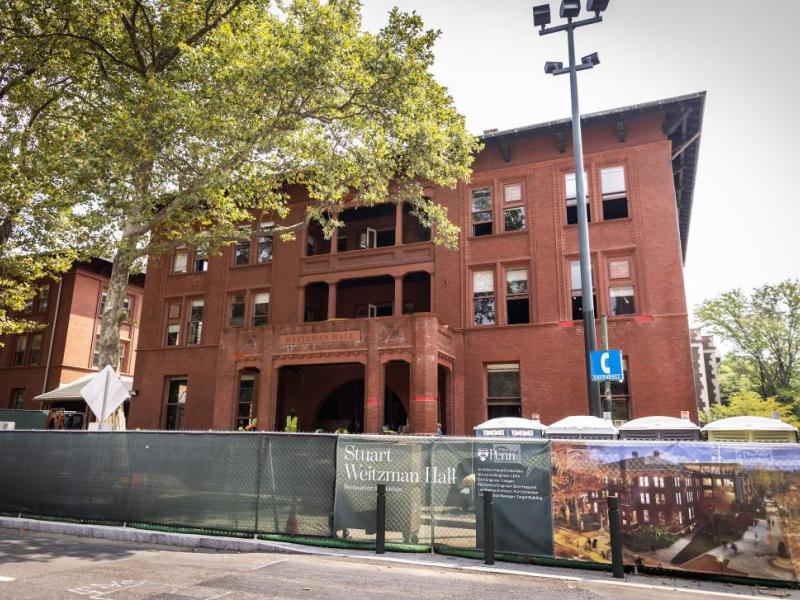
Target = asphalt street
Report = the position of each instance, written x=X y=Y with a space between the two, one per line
x=37 y=565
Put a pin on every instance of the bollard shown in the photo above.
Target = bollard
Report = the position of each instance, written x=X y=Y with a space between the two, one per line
x=488 y=529
x=616 y=537
x=380 y=525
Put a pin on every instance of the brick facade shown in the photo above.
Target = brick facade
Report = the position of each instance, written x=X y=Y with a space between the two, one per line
x=72 y=314
x=431 y=365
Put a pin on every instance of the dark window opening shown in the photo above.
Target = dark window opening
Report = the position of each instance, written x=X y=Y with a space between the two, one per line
x=577 y=306
x=385 y=237
x=572 y=214
x=413 y=229
x=176 y=403
x=518 y=311
x=481 y=212
x=247 y=386
x=368 y=227
x=316 y=302
x=17 y=398
x=237 y=311
x=365 y=297
x=482 y=229
x=615 y=208
x=622 y=301
x=261 y=309
x=242 y=253
x=341 y=243
x=503 y=391
x=200 y=262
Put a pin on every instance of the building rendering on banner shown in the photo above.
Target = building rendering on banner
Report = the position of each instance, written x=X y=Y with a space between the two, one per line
x=379 y=328
x=65 y=350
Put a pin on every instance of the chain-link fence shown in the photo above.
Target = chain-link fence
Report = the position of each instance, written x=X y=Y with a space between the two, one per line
x=722 y=508
x=249 y=482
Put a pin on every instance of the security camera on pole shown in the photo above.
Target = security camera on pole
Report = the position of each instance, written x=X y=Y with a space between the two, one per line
x=570 y=9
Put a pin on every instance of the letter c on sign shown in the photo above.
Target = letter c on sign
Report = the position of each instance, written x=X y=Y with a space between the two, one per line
x=604 y=363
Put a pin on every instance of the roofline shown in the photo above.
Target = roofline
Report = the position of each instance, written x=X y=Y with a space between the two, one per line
x=682 y=126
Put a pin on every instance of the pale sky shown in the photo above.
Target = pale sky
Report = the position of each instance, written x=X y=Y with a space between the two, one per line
x=745 y=227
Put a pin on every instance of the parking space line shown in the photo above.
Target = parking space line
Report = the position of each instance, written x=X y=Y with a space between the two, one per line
x=3 y=578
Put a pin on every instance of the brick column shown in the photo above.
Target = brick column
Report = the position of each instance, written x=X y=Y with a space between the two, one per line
x=335 y=240
x=332 y=299
x=424 y=383
x=398 y=224
x=397 y=309
x=374 y=383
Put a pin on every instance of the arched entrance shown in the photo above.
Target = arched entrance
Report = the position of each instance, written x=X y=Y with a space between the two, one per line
x=394 y=412
x=343 y=408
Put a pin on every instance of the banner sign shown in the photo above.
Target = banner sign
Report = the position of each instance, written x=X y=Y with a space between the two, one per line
x=727 y=508
x=518 y=475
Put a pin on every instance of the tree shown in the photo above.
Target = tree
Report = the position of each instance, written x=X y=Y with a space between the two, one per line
x=193 y=117
x=40 y=233
x=751 y=404
x=764 y=332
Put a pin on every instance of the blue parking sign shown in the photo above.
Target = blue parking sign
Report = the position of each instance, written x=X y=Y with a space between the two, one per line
x=607 y=365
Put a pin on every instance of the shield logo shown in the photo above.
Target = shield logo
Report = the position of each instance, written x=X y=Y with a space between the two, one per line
x=483 y=453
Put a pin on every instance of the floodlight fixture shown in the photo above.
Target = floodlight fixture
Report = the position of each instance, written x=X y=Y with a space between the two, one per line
x=596 y=6
x=550 y=67
x=570 y=9
x=541 y=15
x=591 y=59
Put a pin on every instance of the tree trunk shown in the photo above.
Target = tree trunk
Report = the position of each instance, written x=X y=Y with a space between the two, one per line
x=114 y=314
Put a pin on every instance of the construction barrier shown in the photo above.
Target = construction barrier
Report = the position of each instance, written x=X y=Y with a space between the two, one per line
x=714 y=508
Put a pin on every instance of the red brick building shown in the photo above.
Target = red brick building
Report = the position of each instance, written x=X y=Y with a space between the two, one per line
x=64 y=351
x=377 y=326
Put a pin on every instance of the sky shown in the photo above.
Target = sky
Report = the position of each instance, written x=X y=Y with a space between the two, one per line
x=745 y=228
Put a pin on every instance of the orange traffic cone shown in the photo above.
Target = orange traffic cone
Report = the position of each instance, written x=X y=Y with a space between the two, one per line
x=292 y=524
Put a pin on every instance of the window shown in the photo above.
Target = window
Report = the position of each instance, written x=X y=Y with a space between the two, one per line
x=261 y=309
x=514 y=212
x=644 y=497
x=174 y=311
x=241 y=254
x=517 y=303
x=385 y=237
x=28 y=306
x=483 y=297
x=658 y=482
x=615 y=198
x=645 y=516
x=622 y=301
x=247 y=386
x=19 y=353
x=96 y=353
x=179 y=263
x=127 y=306
x=265 y=242
x=644 y=481
x=44 y=298
x=572 y=198
x=577 y=290
x=176 y=402
x=481 y=211
x=17 y=398
x=503 y=390
x=620 y=397
x=200 y=262
x=195 y=332
x=368 y=238
x=341 y=243
x=173 y=334
x=660 y=498
x=678 y=498
x=103 y=302
x=123 y=357
x=237 y=311
x=36 y=349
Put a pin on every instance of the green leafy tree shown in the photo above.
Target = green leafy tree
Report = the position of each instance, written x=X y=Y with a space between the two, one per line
x=751 y=404
x=763 y=330
x=191 y=117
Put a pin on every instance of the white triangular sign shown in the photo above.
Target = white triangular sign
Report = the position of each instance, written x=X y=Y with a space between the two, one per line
x=104 y=393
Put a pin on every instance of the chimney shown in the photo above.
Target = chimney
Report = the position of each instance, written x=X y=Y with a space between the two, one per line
x=685 y=415
x=535 y=417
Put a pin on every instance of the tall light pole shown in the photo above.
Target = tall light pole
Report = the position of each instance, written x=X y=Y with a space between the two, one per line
x=570 y=9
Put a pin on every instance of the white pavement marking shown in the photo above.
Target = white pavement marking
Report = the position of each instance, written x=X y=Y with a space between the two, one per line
x=218 y=595
x=269 y=564
x=4 y=578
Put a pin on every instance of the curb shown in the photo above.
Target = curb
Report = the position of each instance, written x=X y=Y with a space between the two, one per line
x=161 y=538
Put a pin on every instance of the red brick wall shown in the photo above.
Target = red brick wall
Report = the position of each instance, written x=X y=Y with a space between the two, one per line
x=549 y=349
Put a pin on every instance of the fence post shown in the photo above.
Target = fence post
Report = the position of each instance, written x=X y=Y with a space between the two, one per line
x=380 y=525
x=488 y=529
x=616 y=537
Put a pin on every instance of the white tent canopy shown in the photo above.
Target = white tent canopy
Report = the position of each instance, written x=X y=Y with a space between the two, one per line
x=582 y=425
x=509 y=427
x=658 y=423
x=747 y=423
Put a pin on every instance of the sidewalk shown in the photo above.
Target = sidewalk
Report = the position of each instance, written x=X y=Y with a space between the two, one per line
x=642 y=582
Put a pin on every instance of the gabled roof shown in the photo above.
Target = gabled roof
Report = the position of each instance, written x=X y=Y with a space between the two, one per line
x=683 y=119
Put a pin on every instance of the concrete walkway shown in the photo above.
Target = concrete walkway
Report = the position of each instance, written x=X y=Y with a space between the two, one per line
x=647 y=585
